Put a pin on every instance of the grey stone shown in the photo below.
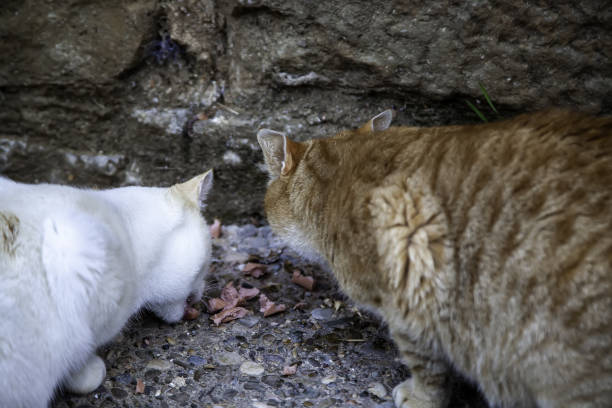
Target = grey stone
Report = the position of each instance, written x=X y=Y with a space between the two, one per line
x=157 y=364
x=273 y=358
x=72 y=43
x=272 y=380
x=196 y=360
x=229 y=358
x=180 y=397
x=378 y=390
x=118 y=393
x=322 y=314
x=124 y=379
x=251 y=368
x=253 y=386
x=229 y=394
x=249 y=321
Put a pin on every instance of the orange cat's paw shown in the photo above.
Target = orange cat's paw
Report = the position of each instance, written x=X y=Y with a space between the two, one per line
x=405 y=396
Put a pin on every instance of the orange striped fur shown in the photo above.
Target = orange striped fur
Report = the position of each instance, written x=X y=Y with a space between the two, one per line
x=486 y=248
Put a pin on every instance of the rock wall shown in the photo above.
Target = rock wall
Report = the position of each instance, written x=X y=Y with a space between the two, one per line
x=117 y=92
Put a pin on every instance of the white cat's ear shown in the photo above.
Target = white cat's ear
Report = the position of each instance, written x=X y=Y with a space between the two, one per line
x=280 y=152
x=195 y=190
x=380 y=122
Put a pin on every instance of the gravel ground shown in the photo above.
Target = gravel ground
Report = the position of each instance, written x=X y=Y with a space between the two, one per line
x=344 y=357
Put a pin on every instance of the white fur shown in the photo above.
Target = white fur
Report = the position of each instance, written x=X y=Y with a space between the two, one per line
x=79 y=264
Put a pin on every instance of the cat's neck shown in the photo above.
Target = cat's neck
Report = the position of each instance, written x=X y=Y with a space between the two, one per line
x=146 y=219
x=344 y=240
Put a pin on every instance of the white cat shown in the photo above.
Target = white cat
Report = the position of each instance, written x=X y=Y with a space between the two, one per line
x=76 y=264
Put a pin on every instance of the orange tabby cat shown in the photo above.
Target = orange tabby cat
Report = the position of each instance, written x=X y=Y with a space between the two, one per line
x=487 y=249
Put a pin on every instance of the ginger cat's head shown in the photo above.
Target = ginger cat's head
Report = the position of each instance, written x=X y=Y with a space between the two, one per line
x=301 y=176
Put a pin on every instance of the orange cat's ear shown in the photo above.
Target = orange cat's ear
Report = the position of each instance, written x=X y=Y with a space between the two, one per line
x=280 y=152
x=382 y=121
x=195 y=190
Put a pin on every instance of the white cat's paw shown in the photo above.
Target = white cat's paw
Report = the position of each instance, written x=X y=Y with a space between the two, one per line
x=87 y=378
x=405 y=396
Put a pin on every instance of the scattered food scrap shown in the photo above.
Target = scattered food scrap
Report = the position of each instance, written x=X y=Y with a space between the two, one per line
x=191 y=313
x=215 y=229
x=229 y=303
x=268 y=308
x=289 y=370
x=307 y=282
x=140 y=387
x=215 y=304
x=300 y=306
x=246 y=294
x=255 y=270
x=229 y=294
x=230 y=314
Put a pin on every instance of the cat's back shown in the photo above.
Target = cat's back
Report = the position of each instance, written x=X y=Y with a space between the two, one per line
x=54 y=249
x=54 y=257
x=521 y=211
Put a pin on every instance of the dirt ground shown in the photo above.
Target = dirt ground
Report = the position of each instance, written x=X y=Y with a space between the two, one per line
x=343 y=357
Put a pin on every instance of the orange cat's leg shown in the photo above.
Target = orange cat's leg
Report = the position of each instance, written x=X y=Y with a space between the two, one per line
x=428 y=385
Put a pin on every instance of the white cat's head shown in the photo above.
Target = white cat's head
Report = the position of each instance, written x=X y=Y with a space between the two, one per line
x=180 y=256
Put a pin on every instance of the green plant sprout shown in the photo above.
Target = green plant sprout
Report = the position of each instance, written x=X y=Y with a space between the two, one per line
x=488 y=99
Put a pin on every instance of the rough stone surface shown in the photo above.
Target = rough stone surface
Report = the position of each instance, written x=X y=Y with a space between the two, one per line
x=345 y=359
x=77 y=43
x=162 y=90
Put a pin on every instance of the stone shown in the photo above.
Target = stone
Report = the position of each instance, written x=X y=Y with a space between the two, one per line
x=251 y=368
x=249 y=321
x=157 y=364
x=272 y=380
x=229 y=358
x=257 y=404
x=253 y=386
x=50 y=43
x=118 y=393
x=378 y=390
x=322 y=314
x=181 y=398
x=329 y=379
x=178 y=382
x=124 y=378
x=196 y=360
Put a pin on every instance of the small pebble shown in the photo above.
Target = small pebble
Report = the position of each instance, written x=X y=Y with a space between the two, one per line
x=249 y=321
x=328 y=379
x=251 y=368
x=378 y=390
x=119 y=393
x=322 y=314
x=196 y=360
x=124 y=378
x=257 y=404
x=178 y=382
x=161 y=365
x=229 y=358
